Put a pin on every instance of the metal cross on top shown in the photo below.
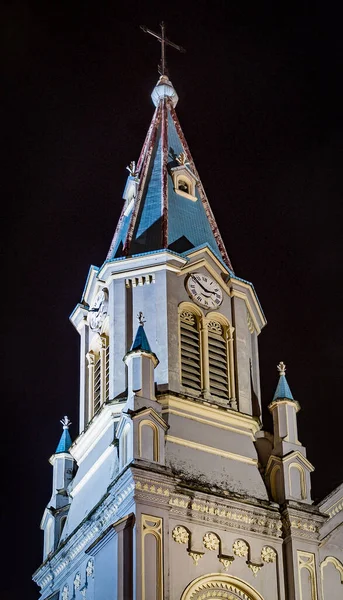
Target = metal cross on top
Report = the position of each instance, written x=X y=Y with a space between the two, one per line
x=162 y=69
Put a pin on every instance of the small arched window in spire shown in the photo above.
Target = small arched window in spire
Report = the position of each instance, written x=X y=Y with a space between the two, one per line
x=183 y=186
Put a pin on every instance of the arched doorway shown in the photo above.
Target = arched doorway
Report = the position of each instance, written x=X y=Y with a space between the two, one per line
x=218 y=586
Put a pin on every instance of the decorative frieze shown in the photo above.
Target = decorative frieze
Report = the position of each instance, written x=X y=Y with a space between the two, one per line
x=236 y=518
x=77 y=581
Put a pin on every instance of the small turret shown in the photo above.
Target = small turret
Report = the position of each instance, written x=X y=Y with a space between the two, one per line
x=141 y=362
x=63 y=470
x=288 y=470
x=141 y=428
x=284 y=409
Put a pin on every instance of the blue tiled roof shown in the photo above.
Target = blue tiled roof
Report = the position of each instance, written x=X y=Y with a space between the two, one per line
x=64 y=443
x=172 y=221
x=283 y=390
x=141 y=341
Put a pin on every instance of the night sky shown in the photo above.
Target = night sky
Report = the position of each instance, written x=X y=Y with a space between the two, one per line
x=260 y=102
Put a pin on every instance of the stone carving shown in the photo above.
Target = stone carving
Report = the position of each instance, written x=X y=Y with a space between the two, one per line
x=211 y=541
x=90 y=568
x=77 y=581
x=268 y=555
x=226 y=561
x=187 y=317
x=196 y=556
x=65 y=593
x=254 y=568
x=240 y=548
x=180 y=535
x=215 y=327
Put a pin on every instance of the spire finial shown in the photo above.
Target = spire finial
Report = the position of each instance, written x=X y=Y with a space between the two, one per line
x=65 y=422
x=162 y=68
x=281 y=368
x=141 y=319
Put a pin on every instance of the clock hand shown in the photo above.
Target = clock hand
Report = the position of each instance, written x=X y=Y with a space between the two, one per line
x=205 y=289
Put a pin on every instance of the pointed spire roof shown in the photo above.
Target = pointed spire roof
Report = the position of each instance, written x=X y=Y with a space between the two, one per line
x=141 y=341
x=65 y=440
x=155 y=215
x=282 y=391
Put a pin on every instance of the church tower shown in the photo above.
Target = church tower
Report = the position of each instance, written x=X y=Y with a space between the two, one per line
x=172 y=490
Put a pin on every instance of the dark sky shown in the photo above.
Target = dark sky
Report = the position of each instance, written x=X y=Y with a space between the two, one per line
x=260 y=102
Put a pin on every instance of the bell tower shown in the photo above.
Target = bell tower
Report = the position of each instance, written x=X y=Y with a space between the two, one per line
x=163 y=492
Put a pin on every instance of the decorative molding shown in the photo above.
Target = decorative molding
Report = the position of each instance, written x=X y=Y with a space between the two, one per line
x=196 y=556
x=132 y=282
x=211 y=450
x=337 y=564
x=65 y=592
x=335 y=508
x=215 y=327
x=77 y=581
x=90 y=568
x=152 y=525
x=268 y=554
x=220 y=585
x=180 y=535
x=152 y=489
x=240 y=548
x=226 y=561
x=233 y=517
x=188 y=317
x=306 y=560
x=254 y=567
x=211 y=541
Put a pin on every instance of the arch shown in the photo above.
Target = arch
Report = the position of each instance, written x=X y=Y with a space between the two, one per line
x=229 y=587
x=337 y=564
x=190 y=344
x=154 y=446
x=302 y=482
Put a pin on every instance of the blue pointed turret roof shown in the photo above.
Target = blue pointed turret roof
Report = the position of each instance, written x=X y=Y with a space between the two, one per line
x=156 y=216
x=141 y=341
x=65 y=440
x=282 y=391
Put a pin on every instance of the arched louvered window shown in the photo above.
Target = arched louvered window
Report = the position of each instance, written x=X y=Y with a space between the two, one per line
x=218 y=359
x=190 y=350
x=98 y=373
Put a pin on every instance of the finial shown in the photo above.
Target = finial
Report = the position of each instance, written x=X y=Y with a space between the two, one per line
x=141 y=319
x=65 y=422
x=182 y=159
x=281 y=368
x=132 y=169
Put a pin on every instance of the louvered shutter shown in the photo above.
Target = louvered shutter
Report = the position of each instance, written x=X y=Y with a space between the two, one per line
x=217 y=360
x=190 y=351
x=97 y=385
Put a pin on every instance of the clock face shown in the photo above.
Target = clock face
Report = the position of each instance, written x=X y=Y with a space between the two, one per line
x=98 y=310
x=204 y=290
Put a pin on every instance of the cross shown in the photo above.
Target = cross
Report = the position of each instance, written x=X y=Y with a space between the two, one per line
x=162 y=69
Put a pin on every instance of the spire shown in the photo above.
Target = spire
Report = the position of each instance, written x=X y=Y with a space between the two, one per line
x=65 y=440
x=282 y=391
x=141 y=341
x=165 y=203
